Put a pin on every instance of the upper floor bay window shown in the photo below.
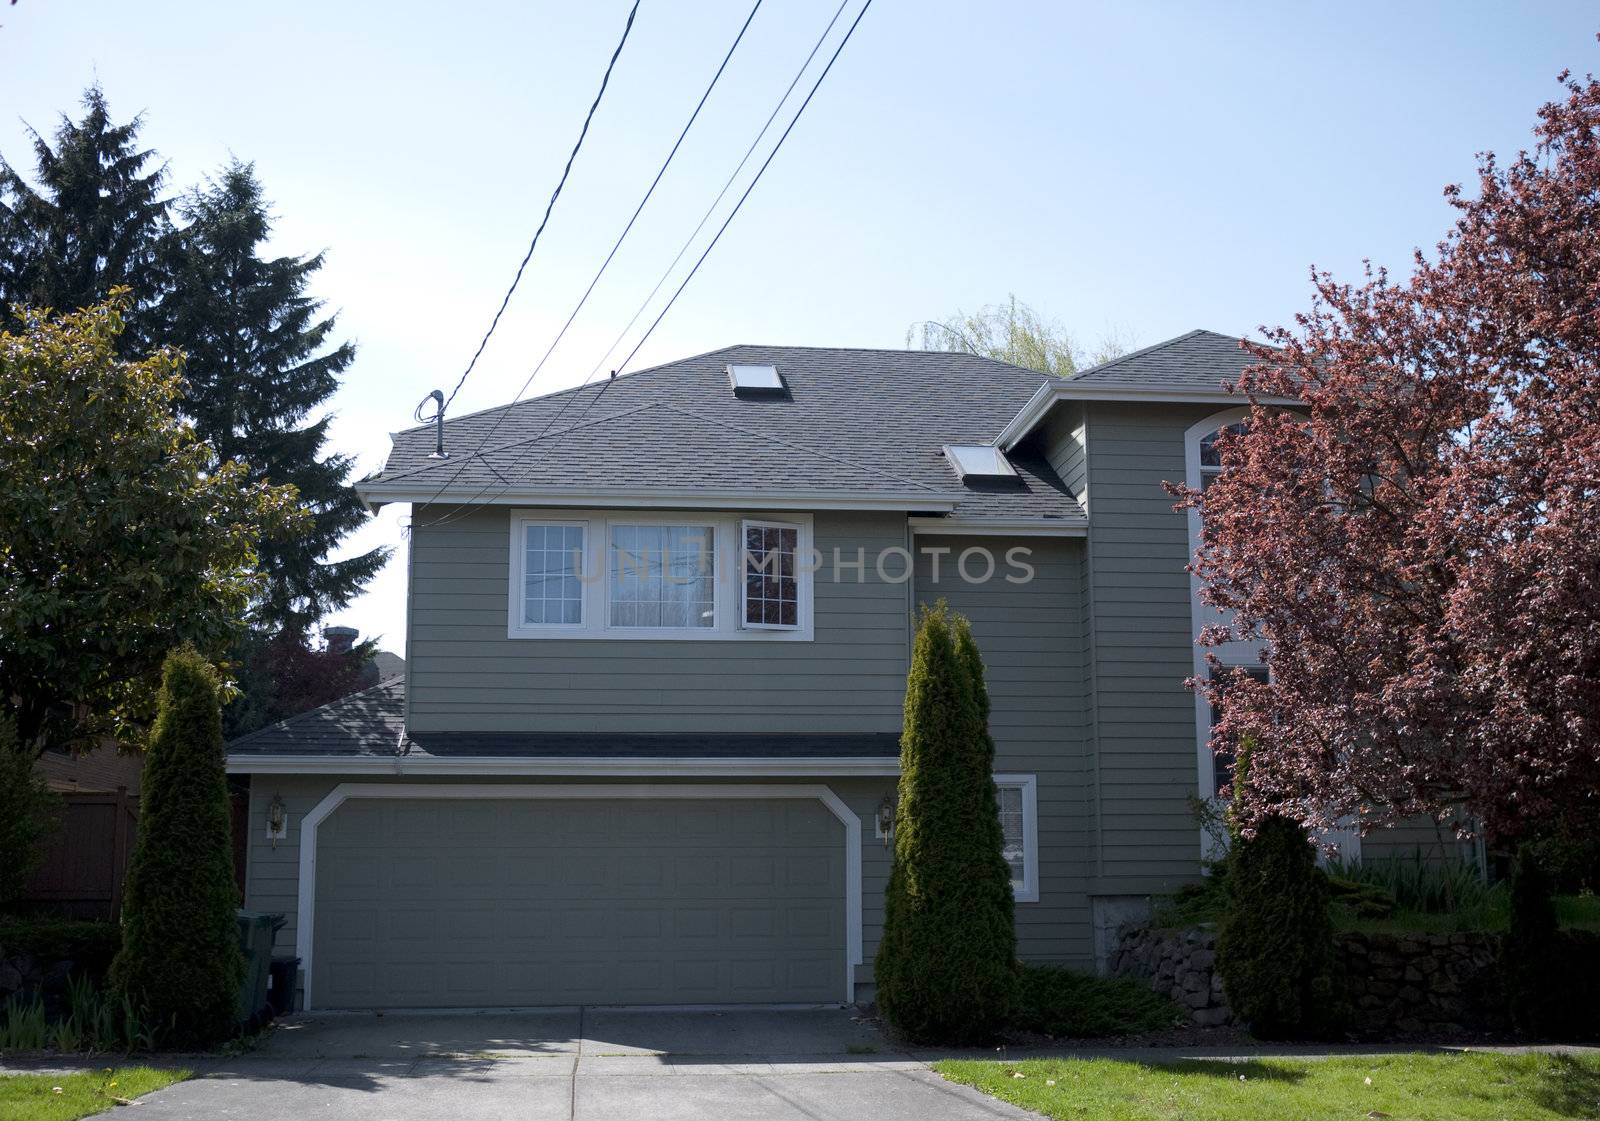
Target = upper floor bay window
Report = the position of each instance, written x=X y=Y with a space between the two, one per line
x=595 y=574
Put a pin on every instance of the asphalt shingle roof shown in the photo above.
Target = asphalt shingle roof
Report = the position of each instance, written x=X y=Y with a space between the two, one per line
x=1197 y=360
x=857 y=422
x=368 y=725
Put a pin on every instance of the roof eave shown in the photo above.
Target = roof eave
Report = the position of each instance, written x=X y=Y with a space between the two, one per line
x=1039 y=406
x=252 y=764
x=377 y=494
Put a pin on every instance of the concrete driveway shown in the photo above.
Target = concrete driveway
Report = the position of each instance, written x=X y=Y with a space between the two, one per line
x=563 y=1064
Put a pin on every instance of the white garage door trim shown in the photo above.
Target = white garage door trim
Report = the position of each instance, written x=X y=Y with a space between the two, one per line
x=339 y=795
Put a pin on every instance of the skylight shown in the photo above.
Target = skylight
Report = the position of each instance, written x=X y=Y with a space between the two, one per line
x=981 y=461
x=759 y=379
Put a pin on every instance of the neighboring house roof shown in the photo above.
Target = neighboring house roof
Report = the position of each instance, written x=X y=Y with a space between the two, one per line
x=863 y=426
x=367 y=722
x=368 y=727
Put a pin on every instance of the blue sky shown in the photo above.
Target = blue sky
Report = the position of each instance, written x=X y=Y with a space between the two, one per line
x=1138 y=168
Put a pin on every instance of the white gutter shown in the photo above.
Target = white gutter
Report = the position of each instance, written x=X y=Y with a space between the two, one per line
x=584 y=765
x=379 y=494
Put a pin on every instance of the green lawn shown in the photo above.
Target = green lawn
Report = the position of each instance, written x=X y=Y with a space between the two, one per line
x=1440 y=1087
x=33 y=1097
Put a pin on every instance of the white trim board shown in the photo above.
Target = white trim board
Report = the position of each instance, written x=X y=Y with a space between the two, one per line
x=1019 y=527
x=379 y=494
x=1049 y=394
x=596 y=765
x=305 y=919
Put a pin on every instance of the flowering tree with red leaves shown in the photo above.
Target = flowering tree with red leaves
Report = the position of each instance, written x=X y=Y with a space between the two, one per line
x=1416 y=538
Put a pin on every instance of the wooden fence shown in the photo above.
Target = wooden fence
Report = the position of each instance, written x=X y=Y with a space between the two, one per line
x=87 y=858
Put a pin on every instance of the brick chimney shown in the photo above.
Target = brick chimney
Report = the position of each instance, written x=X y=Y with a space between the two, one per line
x=340 y=639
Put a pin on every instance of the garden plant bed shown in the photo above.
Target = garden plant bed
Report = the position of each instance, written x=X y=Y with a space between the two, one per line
x=1462 y=1086
x=64 y=1097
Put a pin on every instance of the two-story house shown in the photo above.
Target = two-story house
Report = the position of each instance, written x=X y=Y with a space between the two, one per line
x=646 y=745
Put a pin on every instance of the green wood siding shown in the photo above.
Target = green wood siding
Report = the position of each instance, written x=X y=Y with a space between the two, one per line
x=464 y=674
x=1031 y=638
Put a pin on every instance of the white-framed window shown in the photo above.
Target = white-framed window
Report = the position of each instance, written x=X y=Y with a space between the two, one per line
x=1202 y=465
x=661 y=576
x=594 y=574
x=552 y=556
x=770 y=588
x=1019 y=826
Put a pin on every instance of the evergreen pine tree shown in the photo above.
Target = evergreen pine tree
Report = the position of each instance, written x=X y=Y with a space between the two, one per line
x=96 y=220
x=946 y=964
x=180 y=965
x=261 y=359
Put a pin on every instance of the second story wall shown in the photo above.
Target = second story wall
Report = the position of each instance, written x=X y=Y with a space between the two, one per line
x=465 y=674
x=1137 y=604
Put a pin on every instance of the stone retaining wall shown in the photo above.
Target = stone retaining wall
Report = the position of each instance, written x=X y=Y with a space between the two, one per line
x=1396 y=984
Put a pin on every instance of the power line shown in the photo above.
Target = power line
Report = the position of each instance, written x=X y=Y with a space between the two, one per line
x=526 y=257
x=706 y=252
x=706 y=217
x=534 y=373
x=752 y=186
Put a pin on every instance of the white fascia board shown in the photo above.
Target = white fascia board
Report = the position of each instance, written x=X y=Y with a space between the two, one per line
x=586 y=765
x=1019 y=527
x=1040 y=404
x=378 y=494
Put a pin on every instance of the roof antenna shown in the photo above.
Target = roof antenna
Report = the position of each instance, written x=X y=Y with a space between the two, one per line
x=436 y=396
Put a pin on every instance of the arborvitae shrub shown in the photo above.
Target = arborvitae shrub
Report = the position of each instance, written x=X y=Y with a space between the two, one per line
x=946 y=965
x=1275 y=940
x=1532 y=950
x=180 y=963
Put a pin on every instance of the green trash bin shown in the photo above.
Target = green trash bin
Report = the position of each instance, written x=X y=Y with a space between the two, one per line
x=257 y=930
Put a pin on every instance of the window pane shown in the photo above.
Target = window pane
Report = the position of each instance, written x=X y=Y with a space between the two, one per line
x=662 y=576
x=1223 y=761
x=552 y=558
x=1209 y=456
x=1014 y=849
x=771 y=577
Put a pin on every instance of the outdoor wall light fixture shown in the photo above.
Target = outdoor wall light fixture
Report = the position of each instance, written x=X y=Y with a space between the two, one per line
x=884 y=820
x=277 y=820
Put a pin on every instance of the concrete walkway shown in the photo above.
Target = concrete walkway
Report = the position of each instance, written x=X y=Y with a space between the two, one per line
x=543 y=1065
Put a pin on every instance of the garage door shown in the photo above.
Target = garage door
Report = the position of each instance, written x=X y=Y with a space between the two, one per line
x=478 y=903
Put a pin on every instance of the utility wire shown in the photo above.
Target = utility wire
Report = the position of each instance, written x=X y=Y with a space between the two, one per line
x=736 y=206
x=706 y=252
x=534 y=373
x=562 y=182
x=706 y=217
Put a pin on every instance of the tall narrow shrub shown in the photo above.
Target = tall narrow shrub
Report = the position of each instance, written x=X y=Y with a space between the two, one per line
x=180 y=964
x=1531 y=951
x=945 y=968
x=1275 y=940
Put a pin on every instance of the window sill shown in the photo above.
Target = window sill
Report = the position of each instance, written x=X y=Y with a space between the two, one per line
x=642 y=634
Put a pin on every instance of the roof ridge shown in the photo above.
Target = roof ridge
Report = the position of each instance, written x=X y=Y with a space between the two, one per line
x=386 y=683
x=799 y=447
